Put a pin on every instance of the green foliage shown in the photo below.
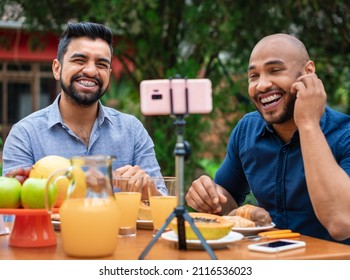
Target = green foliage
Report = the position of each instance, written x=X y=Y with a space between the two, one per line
x=209 y=166
x=204 y=38
x=250 y=199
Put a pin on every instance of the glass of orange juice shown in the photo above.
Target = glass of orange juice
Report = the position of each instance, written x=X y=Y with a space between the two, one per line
x=127 y=192
x=162 y=205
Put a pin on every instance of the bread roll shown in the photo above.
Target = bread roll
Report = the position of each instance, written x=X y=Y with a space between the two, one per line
x=254 y=213
x=240 y=222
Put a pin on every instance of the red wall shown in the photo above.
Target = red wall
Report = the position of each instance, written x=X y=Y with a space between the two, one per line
x=20 y=46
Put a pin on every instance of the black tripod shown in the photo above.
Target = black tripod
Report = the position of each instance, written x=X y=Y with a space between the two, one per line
x=180 y=212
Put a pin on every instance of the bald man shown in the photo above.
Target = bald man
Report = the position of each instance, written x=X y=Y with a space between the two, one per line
x=293 y=152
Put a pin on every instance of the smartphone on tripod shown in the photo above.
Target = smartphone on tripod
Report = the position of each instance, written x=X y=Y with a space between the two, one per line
x=176 y=97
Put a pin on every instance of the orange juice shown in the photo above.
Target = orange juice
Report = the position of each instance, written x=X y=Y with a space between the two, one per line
x=128 y=203
x=89 y=226
x=161 y=208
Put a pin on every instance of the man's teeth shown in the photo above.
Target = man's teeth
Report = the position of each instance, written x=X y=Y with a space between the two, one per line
x=270 y=98
x=87 y=83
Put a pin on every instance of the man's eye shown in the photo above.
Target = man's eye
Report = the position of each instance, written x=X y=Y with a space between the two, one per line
x=79 y=61
x=103 y=65
x=252 y=76
x=276 y=69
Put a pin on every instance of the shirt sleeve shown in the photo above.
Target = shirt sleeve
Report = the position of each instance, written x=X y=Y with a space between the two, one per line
x=144 y=155
x=342 y=152
x=17 y=150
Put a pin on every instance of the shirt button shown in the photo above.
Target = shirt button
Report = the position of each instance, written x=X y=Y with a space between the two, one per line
x=279 y=180
x=284 y=150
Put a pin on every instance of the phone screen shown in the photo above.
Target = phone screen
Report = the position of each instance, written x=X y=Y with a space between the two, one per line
x=276 y=244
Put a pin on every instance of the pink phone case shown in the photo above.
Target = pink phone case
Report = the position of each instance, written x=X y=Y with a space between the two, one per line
x=156 y=100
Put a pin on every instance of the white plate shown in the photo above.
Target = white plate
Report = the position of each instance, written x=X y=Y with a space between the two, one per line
x=196 y=244
x=144 y=224
x=253 y=230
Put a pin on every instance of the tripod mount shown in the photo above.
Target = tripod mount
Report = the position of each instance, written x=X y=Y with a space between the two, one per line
x=182 y=152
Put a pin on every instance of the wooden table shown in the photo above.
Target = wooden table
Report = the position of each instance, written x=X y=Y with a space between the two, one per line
x=131 y=248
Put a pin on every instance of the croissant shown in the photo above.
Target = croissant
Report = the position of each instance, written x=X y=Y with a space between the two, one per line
x=254 y=213
x=240 y=222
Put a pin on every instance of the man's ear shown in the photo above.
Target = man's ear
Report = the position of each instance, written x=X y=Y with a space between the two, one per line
x=309 y=67
x=56 y=69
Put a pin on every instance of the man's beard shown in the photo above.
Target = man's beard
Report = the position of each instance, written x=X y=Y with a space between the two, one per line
x=79 y=97
x=287 y=114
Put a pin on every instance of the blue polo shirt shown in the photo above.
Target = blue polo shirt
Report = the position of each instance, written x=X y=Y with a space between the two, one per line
x=258 y=160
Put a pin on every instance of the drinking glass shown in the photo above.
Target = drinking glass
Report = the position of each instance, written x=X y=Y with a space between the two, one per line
x=161 y=205
x=3 y=228
x=127 y=192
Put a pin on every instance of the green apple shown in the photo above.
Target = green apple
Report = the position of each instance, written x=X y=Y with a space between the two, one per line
x=10 y=192
x=34 y=191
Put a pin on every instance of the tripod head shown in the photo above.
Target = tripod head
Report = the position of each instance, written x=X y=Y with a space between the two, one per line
x=183 y=149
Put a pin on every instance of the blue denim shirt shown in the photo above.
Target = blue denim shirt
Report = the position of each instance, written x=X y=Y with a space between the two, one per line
x=258 y=160
x=114 y=133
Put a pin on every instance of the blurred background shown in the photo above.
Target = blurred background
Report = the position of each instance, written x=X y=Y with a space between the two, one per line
x=159 y=39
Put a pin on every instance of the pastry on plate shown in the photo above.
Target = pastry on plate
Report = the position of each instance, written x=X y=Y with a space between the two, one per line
x=254 y=213
x=240 y=222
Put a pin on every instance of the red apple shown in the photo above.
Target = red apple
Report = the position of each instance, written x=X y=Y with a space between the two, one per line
x=10 y=192
x=34 y=191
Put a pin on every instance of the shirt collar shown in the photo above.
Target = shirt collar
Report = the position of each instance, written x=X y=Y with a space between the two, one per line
x=266 y=128
x=54 y=113
x=103 y=114
x=56 y=118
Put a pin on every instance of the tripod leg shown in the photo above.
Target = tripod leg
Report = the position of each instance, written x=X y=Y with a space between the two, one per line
x=179 y=211
x=200 y=236
x=156 y=237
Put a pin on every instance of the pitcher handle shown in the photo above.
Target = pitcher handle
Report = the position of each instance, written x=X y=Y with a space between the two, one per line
x=52 y=180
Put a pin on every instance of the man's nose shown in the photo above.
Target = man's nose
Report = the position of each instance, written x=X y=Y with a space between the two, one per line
x=90 y=69
x=263 y=84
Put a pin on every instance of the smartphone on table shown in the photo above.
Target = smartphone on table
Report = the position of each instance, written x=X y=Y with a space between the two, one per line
x=276 y=246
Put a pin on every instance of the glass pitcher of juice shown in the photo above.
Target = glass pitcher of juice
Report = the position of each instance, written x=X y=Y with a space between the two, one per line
x=89 y=215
